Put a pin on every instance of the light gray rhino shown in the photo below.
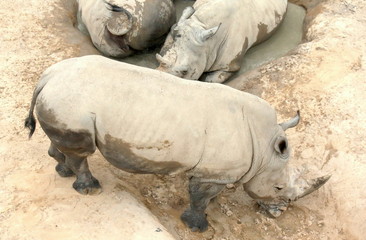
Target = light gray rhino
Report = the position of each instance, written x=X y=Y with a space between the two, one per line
x=212 y=37
x=146 y=121
x=120 y=27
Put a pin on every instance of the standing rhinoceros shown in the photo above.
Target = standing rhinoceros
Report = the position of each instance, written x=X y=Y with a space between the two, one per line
x=213 y=36
x=147 y=121
x=120 y=27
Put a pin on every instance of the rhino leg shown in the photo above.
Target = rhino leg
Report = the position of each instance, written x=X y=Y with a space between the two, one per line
x=85 y=182
x=61 y=167
x=200 y=195
x=71 y=164
x=217 y=76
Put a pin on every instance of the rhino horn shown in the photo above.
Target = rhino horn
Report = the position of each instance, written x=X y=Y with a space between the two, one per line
x=120 y=22
x=206 y=34
x=292 y=122
x=162 y=60
x=187 y=13
x=314 y=184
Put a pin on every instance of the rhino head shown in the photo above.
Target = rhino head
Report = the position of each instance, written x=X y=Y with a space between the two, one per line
x=276 y=185
x=184 y=53
x=107 y=25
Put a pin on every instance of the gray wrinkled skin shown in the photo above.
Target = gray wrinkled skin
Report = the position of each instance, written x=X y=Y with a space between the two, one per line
x=147 y=121
x=213 y=36
x=120 y=27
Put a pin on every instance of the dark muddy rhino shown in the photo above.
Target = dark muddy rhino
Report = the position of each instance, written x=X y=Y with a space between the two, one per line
x=147 y=121
x=119 y=28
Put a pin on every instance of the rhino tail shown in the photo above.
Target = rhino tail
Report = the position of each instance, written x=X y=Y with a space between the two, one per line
x=30 y=121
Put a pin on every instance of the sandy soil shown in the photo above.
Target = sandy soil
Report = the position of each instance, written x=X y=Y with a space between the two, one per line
x=324 y=77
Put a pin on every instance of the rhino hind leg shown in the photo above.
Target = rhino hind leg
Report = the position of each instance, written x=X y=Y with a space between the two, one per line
x=72 y=164
x=217 y=76
x=85 y=182
x=61 y=167
x=71 y=149
x=200 y=195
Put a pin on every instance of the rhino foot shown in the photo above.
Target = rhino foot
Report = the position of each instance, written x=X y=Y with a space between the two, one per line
x=217 y=76
x=196 y=221
x=90 y=186
x=63 y=170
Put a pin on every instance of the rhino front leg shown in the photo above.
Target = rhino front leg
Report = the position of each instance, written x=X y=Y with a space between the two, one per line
x=217 y=76
x=200 y=195
x=61 y=167
x=85 y=182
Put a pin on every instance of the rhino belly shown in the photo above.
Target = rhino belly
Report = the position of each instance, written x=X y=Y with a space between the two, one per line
x=120 y=154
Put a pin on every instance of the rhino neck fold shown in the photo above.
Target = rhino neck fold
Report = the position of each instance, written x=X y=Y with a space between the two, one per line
x=257 y=156
x=262 y=147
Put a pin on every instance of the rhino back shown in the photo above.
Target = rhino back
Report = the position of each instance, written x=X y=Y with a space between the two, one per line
x=152 y=21
x=243 y=24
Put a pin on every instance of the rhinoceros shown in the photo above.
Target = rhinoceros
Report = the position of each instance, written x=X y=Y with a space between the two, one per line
x=212 y=37
x=120 y=27
x=146 y=121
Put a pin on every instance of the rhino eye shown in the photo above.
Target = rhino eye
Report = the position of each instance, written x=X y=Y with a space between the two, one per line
x=184 y=72
x=176 y=34
x=278 y=188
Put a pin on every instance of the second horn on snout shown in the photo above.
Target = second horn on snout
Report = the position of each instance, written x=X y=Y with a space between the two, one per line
x=162 y=60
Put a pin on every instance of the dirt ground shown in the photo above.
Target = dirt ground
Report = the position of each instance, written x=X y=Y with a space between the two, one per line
x=324 y=77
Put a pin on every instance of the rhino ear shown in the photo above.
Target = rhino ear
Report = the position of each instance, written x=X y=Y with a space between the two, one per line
x=187 y=13
x=292 y=122
x=120 y=22
x=281 y=146
x=206 y=34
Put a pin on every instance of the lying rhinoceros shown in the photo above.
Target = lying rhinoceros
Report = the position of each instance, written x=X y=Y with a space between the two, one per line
x=120 y=27
x=147 y=121
x=213 y=36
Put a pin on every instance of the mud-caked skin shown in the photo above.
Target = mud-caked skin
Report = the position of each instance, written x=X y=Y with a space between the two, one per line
x=63 y=170
x=195 y=220
x=200 y=195
x=211 y=38
x=118 y=28
x=87 y=184
x=148 y=121
x=71 y=165
x=61 y=167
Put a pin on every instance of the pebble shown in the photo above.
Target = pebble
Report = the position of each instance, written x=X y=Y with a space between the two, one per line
x=229 y=213
x=320 y=223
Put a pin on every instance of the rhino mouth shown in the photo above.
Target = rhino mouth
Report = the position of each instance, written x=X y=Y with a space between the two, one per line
x=273 y=210
x=120 y=41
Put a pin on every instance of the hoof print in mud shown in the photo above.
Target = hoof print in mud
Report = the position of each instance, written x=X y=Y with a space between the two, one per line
x=91 y=187
x=64 y=171
x=196 y=221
